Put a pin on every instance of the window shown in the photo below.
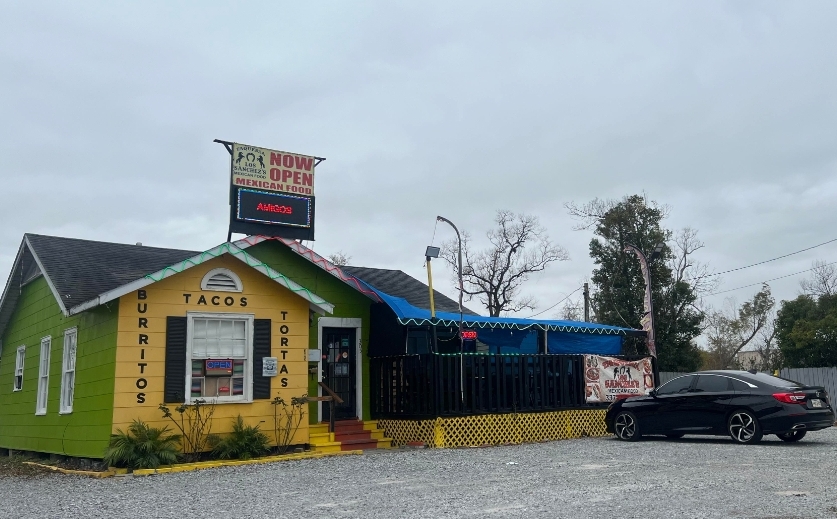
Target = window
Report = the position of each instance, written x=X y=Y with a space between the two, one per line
x=68 y=371
x=770 y=380
x=677 y=385
x=220 y=360
x=19 y=358
x=711 y=384
x=221 y=280
x=739 y=385
x=43 y=376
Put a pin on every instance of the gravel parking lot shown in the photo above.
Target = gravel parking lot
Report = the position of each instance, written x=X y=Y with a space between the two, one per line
x=588 y=478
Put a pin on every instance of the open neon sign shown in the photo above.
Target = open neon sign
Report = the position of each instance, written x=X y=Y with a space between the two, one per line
x=469 y=335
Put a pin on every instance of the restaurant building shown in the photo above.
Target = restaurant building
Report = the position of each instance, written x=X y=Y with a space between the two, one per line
x=95 y=335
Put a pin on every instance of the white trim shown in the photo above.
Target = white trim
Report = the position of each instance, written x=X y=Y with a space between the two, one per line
x=46 y=277
x=65 y=407
x=40 y=411
x=19 y=367
x=248 y=364
x=322 y=306
x=239 y=287
x=15 y=266
x=342 y=322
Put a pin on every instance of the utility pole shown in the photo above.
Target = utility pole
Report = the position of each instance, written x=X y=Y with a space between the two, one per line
x=586 y=303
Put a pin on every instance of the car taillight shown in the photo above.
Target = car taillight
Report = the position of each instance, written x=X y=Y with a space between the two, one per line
x=790 y=398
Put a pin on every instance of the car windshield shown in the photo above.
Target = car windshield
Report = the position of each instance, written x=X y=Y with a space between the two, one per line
x=770 y=380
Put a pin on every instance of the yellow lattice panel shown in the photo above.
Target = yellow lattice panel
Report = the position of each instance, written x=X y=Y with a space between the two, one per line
x=496 y=429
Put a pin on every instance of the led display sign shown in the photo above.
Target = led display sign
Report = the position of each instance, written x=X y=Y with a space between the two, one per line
x=469 y=334
x=273 y=208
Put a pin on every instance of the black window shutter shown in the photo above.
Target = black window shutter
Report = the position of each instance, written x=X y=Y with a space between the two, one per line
x=175 y=383
x=261 y=348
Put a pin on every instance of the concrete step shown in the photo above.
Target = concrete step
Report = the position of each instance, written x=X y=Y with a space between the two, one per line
x=358 y=444
x=327 y=447
x=340 y=436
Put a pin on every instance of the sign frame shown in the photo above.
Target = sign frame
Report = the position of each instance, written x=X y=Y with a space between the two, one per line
x=267 y=228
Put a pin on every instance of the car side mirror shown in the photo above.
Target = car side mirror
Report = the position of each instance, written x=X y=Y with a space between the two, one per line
x=653 y=393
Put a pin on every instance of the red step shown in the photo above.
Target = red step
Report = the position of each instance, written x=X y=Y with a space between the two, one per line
x=352 y=435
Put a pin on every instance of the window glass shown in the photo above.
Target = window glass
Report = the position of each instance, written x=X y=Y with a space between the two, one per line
x=19 y=359
x=677 y=385
x=711 y=384
x=43 y=376
x=738 y=385
x=770 y=380
x=68 y=371
x=220 y=349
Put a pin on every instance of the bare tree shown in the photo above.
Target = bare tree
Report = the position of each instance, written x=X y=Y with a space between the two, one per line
x=519 y=247
x=594 y=212
x=339 y=258
x=823 y=280
x=573 y=310
x=731 y=329
x=769 y=354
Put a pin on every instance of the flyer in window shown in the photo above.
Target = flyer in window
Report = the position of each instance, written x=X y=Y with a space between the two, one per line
x=607 y=379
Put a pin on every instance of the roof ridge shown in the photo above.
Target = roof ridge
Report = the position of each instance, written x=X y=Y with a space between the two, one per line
x=106 y=242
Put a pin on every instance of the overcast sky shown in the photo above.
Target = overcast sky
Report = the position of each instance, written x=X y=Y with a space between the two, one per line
x=725 y=111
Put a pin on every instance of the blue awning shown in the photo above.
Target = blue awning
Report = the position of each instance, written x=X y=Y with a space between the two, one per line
x=413 y=316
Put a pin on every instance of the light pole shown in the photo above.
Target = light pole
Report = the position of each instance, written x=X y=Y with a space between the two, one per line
x=461 y=289
x=429 y=254
x=459 y=276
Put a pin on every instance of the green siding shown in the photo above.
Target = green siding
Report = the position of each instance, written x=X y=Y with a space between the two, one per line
x=84 y=432
x=347 y=302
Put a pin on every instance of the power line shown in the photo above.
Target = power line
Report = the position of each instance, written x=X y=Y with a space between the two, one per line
x=556 y=304
x=774 y=279
x=774 y=259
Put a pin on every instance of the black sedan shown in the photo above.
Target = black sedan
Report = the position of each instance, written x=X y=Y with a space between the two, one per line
x=742 y=404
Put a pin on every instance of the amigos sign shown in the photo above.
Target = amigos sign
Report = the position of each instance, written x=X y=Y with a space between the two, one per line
x=607 y=379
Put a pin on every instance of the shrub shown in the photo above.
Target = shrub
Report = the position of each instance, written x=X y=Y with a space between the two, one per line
x=194 y=422
x=244 y=442
x=286 y=421
x=142 y=447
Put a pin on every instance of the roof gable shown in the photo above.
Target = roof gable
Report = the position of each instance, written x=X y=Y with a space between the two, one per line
x=83 y=274
x=80 y=270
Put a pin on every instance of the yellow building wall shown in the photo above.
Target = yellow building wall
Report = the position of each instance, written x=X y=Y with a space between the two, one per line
x=139 y=388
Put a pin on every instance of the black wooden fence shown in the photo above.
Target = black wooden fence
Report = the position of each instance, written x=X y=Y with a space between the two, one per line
x=431 y=385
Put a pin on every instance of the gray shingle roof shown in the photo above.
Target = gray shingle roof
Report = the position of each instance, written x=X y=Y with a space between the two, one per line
x=397 y=283
x=82 y=269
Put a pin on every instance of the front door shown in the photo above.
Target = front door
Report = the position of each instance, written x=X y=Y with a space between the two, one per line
x=339 y=372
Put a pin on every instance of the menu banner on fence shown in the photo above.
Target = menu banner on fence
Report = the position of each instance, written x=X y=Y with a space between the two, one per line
x=608 y=379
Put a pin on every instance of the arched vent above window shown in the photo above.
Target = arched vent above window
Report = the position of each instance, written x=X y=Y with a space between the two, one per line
x=221 y=280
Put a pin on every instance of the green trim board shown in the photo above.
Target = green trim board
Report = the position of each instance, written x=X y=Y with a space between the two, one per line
x=317 y=303
x=84 y=432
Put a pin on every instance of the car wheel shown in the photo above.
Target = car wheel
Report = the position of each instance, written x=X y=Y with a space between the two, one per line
x=626 y=426
x=793 y=436
x=674 y=436
x=743 y=427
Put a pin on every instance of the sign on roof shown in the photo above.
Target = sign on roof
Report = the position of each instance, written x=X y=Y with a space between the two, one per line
x=271 y=192
x=271 y=170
